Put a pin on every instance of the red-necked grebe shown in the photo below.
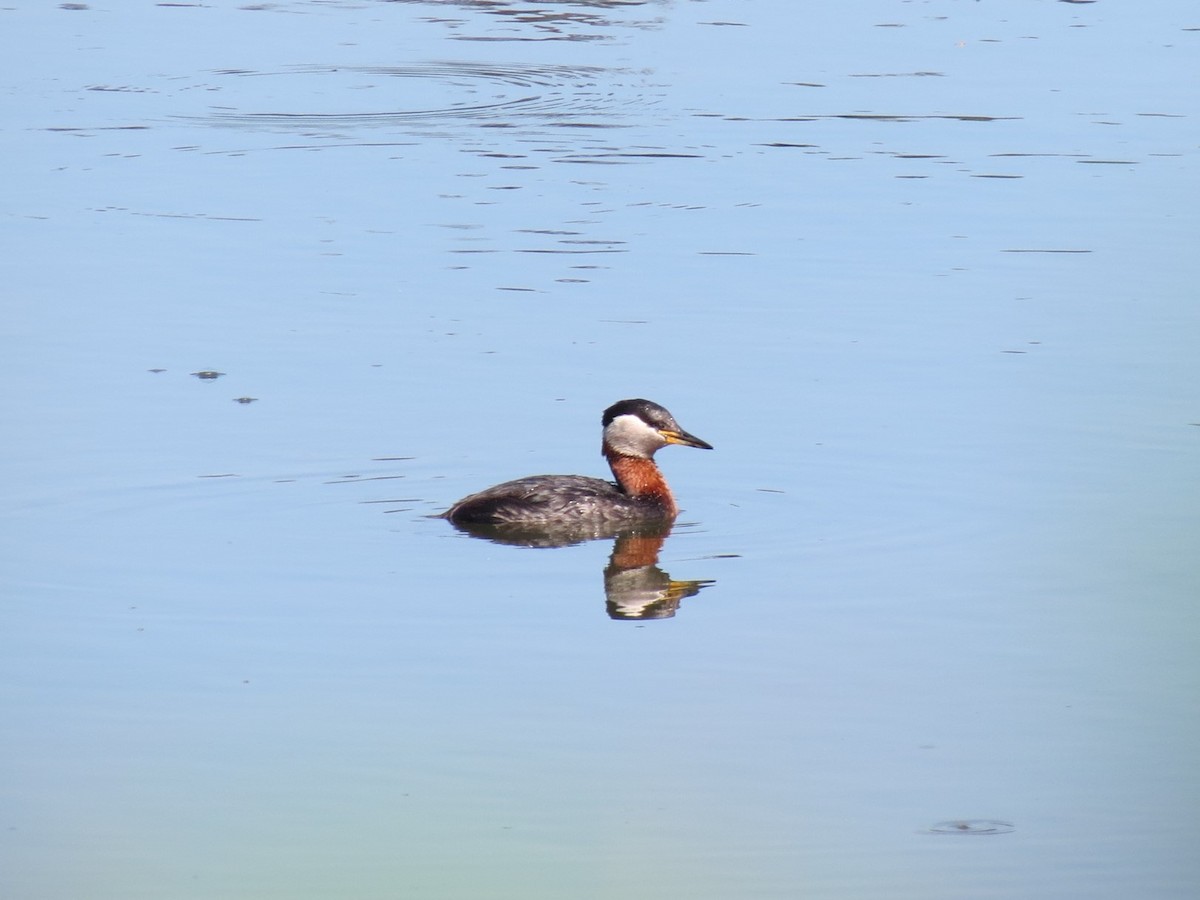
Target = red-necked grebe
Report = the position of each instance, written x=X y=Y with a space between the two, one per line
x=633 y=431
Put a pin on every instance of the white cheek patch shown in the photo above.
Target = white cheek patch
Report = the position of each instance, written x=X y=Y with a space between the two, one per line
x=630 y=436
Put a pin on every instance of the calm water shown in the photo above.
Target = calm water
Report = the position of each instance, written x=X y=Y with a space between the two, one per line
x=923 y=272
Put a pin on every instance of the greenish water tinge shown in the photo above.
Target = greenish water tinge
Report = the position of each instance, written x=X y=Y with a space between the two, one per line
x=922 y=274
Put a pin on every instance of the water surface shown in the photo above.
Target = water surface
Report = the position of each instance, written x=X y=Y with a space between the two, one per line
x=921 y=272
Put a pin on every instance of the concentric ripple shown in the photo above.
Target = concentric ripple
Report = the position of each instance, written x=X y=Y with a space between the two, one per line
x=364 y=96
x=971 y=826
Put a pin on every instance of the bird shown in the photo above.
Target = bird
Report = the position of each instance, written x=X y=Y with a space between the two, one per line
x=634 y=430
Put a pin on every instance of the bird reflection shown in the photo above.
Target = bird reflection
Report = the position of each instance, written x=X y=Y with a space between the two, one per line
x=635 y=588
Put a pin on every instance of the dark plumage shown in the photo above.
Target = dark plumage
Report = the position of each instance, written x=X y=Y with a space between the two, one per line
x=633 y=431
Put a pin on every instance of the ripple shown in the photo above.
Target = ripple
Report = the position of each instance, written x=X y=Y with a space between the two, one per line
x=971 y=826
x=444 y=92
x=577 y=21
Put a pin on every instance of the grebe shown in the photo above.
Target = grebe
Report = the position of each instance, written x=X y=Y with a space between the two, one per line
x=633 y=431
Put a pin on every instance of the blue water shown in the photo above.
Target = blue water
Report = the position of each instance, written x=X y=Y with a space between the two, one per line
x=922 y=273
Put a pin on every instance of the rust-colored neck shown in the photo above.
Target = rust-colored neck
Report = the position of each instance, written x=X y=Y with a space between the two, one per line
x=641 y=478
x=637 y=551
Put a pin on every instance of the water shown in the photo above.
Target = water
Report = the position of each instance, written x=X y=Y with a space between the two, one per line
x=923 y=273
